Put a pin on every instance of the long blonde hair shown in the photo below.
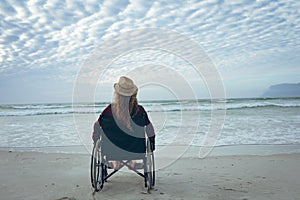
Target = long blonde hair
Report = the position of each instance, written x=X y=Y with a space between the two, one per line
x=123 y=108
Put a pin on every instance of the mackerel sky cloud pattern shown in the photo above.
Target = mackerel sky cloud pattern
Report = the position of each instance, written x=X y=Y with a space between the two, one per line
x=239 y=36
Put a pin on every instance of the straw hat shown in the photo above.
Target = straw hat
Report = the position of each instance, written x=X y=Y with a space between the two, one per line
x=125 y=87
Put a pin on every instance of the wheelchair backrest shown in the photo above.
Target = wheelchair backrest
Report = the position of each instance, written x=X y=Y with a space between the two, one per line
x=119 y=141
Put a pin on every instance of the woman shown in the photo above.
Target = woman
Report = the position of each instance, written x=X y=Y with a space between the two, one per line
x=126 y=112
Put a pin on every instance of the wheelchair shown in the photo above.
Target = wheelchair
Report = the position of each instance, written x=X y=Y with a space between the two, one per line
x=119 y=146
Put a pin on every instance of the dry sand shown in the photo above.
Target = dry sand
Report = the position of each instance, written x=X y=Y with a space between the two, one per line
x=32 y=175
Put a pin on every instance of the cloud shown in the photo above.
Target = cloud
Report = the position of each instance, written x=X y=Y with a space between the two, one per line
x=62 y=34
x=7 y=9
x=221 y=28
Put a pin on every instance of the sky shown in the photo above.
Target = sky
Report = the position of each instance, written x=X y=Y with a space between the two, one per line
x=69 y=50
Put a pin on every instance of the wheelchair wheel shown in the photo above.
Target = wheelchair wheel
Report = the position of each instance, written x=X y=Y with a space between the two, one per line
x=150 y=168
x=96 y=167
x=92 y=168
x=153 y=170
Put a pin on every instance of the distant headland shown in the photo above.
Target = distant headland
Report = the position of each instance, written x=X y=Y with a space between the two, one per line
x=283 y=90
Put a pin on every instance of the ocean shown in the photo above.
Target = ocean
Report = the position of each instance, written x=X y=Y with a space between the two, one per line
x=67 y=127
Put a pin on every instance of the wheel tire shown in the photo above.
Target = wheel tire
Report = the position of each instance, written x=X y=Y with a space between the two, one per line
x=150 y=168
x=96 y=167
x=92 y=168
x=153 y=170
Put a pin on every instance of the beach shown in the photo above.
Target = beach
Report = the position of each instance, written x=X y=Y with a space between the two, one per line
x=45 y=151
x=37 y=175
x=212 y=86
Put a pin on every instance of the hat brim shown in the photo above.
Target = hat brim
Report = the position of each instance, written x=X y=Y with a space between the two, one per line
x=125 y=92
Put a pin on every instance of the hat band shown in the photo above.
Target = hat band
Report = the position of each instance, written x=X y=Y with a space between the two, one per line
x=125 y=88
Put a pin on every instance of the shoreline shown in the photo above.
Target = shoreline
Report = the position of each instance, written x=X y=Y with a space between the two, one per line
x=190 y=151
x=53 y=176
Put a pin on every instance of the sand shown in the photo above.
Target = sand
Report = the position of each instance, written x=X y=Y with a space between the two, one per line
x=33 y=175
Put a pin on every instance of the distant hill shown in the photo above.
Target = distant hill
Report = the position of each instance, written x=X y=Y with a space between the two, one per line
x=283 y=90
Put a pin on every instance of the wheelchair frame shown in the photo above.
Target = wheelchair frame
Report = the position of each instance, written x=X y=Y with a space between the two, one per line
x=100 y=166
